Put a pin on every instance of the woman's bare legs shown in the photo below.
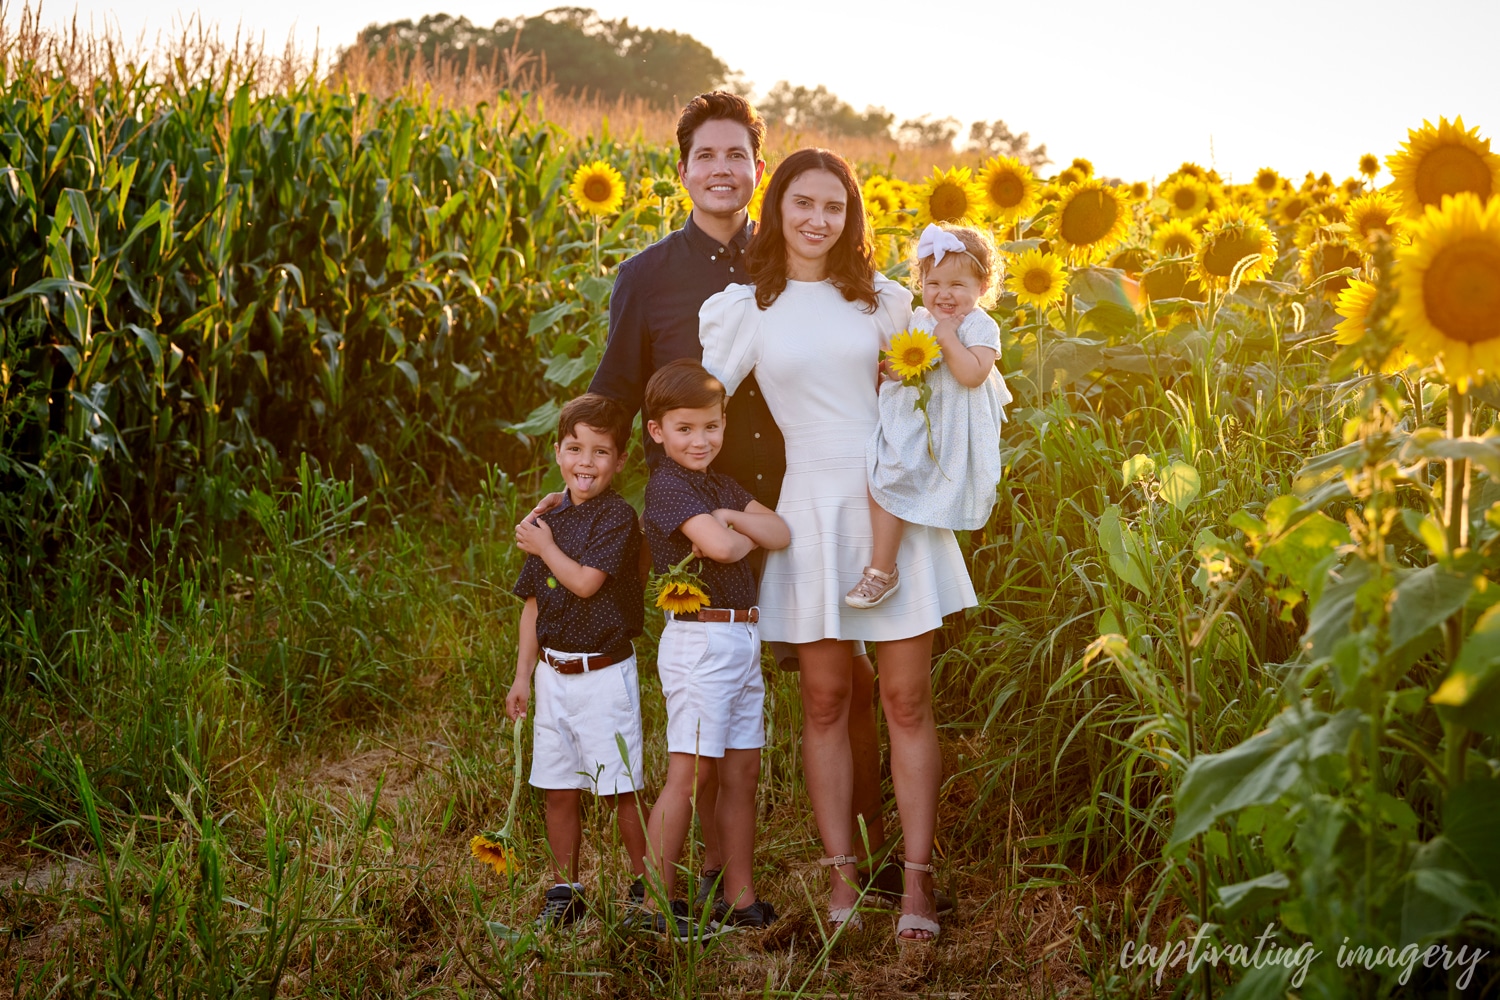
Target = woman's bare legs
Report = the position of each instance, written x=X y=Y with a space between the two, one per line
x=916 y=762
x=888 y=530
x=827 y=684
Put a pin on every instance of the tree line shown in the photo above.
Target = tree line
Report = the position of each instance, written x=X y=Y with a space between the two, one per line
x=583 y=53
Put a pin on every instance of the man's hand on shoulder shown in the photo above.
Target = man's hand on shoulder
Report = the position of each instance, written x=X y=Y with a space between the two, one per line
x=551 y=501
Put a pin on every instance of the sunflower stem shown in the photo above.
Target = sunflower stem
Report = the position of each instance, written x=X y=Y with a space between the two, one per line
x=1456 y=516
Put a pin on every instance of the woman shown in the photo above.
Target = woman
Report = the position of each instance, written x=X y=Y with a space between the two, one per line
x=811 y=326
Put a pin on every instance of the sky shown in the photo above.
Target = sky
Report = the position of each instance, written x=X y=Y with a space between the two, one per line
x=1137 y=87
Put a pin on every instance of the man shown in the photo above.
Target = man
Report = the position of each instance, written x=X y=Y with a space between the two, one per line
x=653 y=320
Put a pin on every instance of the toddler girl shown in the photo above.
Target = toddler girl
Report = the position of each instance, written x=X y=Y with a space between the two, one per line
x=958 y=270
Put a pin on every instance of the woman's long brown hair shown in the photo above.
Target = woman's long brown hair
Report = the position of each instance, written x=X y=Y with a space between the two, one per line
x=851 y=261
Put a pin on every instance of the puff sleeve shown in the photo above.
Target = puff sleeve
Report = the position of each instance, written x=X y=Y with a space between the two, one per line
x=729 y=330
x=892 y=308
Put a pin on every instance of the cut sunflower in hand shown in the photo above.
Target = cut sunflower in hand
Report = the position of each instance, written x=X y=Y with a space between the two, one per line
x=679 y=590
x=912 y=354
x=496 y=847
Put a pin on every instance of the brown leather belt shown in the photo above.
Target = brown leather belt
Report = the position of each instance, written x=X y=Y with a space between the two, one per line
x=586 y=661
x=751 y=615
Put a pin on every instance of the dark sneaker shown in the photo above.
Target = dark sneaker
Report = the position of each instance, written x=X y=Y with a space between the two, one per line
x=757 y=916
x=562 y=907
x=678 y=926
x=635 y=896
x=710 y=883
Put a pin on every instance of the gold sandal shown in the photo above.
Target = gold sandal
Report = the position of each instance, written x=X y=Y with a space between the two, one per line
x=842 y=916
x=914 y=921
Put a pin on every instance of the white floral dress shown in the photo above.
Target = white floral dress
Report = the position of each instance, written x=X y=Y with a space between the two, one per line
x=958 y=489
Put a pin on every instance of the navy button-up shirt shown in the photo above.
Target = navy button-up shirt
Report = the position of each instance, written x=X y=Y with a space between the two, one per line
x=653 y=320
x=675 y=494
x=600 y=532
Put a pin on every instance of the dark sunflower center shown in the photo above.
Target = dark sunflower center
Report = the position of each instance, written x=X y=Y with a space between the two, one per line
x=1006 y=190
x=1449 y=170
x=1184 y=199
x=1336 y=257
x=1266 y=182
x=1369 y=166
x=1227 y=249
x=1170 y=281
x=949 y=203
x=913 y=357
x=597 y=188
x=1038 y=281
x=1461 y=291
x=1089 y=217
x=1291 y=210
x=1176 y=245
x=1372 y=221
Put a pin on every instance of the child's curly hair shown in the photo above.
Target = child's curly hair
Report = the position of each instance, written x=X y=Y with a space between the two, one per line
x=982 y=257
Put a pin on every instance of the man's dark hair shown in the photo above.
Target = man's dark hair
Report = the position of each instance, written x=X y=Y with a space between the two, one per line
x=599 y=412
x=683 y=384
x=715 y=105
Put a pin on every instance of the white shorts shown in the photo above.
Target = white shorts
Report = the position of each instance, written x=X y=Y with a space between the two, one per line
x=710 y=676
x=574 y=724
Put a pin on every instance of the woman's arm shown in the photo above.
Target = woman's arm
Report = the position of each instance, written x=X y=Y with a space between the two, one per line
x=970 y=365
x=715 y=540
x=759 y=523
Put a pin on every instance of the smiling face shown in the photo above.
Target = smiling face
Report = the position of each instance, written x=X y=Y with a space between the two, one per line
x=691 y=437
x=813 y=211
x=721 y=171
x=588 y=459
x=952 y=289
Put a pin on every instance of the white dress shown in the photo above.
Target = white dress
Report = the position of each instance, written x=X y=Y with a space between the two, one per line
x=815 y=355
x=958 y=490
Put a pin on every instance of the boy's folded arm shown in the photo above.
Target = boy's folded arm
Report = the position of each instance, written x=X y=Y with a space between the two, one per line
x=714 y=540
x=760 y=524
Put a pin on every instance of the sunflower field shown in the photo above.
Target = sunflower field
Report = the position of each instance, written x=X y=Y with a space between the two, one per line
x=278 y=369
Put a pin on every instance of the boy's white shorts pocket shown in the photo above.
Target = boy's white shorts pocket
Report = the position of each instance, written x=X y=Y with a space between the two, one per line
x=710 y=677
x=575 y=721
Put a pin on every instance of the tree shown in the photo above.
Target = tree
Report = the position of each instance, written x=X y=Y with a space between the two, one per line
x=821 y=111
x=581 y=52
x=928 y=131
x=996 y=139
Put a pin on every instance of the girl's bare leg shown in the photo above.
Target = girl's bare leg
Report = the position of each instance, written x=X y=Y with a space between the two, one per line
x=888 y=530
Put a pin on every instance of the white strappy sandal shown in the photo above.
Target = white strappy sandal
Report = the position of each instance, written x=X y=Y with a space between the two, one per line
x=842 y=916
x=916 y=922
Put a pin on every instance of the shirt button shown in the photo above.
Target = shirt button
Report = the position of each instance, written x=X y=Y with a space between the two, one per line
x=731 y=270
x=721 y=249
x=712 y=257
x=752 y=392
x=757 y=433
x=759 y=476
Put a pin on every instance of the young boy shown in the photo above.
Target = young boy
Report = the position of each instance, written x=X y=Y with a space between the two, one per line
x=708 y=660
x=583 y=606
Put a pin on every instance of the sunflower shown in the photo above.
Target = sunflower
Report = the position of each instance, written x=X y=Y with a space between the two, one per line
x=1448 y=285
x=681 y=597
x=913 y=352
x=1369 y=165
x=1140 y=191
x=598 y=188
x=1068 y=176
x=1267 y=181
x=951 y=196
x=1082 y=166
x=1131 y=260
x=492 y=853
x=1290 y=208
x=1091 y=219
x=1010 y=189
x=1171 y=279
x=1037 y=279
x=1187 y=195
x=1443 y=160
x=758 y=196
x=1232 y=234
x=1325 y=257
x=1190 y=169
x=1176 y=238
x=1353 y=306
x=1370 y=214
x=880 y=200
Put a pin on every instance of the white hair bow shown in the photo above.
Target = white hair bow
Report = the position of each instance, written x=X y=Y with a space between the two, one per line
x=936 y=241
